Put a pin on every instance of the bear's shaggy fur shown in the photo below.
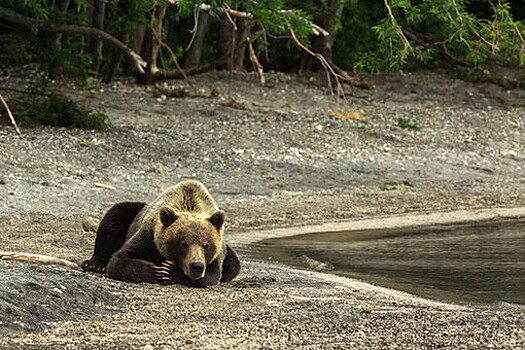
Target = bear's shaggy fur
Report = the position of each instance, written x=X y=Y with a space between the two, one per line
x=176 y=239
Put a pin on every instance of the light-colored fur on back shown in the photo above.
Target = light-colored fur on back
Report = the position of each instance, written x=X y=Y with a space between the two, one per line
x=187 y=198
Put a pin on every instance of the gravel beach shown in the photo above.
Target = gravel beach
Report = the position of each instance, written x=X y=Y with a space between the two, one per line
x=294 y=157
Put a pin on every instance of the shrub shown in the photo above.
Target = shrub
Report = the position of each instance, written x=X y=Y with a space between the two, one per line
x=56 y=110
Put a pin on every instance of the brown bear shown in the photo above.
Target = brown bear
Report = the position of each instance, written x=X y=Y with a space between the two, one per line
x=176 y=239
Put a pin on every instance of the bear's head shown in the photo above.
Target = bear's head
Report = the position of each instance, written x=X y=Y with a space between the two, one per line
x=190 y=241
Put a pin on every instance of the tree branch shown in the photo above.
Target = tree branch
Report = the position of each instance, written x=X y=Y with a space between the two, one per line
x=329 y=70
x=176 y=74
x=315 y=28
x=255 y=61
x=11 y=117
x=227 y=10
x=399 y=31
x=19 y=20
x=246 y=15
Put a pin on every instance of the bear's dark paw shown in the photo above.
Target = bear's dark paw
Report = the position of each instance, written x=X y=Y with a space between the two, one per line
x=201 y=283
x=163 y=272
x=94 y=265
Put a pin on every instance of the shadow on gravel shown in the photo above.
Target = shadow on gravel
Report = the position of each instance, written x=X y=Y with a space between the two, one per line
x=31 y=295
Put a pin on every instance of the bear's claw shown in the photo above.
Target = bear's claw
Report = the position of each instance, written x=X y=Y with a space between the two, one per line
x=94 y=265
x=163 y=272
x=168 y=263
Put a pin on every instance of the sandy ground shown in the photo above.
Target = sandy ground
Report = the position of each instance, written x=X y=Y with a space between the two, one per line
x=285 y=161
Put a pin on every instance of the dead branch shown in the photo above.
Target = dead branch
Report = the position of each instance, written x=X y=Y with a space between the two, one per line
x=170 y=51
x=184 y=75
x=228 y=11
x=246 y=15
x=429 y=41
x=180 y=73
x=255 y=61
x=196 y=15
x=326 y=66
x=348 y=78
x=234 y=104
x=320 y=30
x=36 y=258
x=316 y=29
x=17 y=19
x=11 y=117
x=176 y=74
x=399 y=31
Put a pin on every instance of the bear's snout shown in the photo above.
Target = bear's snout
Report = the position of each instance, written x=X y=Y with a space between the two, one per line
x=194 y=263
x=196 y=269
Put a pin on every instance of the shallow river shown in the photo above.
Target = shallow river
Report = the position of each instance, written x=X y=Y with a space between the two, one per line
x=463 y=264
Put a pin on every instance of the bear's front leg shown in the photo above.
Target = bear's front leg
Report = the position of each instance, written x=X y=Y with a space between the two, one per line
x=231 y=266
x=137 y=270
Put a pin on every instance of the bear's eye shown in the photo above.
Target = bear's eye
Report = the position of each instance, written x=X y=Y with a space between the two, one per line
x=184 y=244
x=205 y=245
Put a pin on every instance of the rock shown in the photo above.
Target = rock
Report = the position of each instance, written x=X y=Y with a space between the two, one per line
x=510 y=154
x=314 y=264
x=90 y=224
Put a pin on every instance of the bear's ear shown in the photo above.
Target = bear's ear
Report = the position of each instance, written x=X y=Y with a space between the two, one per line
x=217 y=219
x=167 y=216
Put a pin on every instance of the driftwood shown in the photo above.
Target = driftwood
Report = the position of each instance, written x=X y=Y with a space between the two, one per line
x=19 y=20
x=36 y=258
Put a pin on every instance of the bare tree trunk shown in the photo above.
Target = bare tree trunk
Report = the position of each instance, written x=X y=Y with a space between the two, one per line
x=97 y=21
x=137 y=38
x=157 y=37
x=55 y=70
x=151 y=46
x=18 y=20
x=225 y=41
x=192 y=58
x=177 y=74
x=145 y=53
x=116 y=59
x=241 y=35
x=323 y=44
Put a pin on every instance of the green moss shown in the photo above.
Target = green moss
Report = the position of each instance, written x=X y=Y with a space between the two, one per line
x=56 y=110
x=405 y=124
x=392 y=186
x=389 y=186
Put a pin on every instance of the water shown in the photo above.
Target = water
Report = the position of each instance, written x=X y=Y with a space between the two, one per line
x=463 y=264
